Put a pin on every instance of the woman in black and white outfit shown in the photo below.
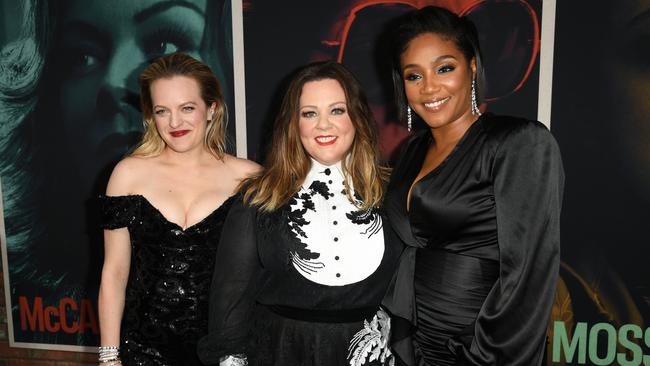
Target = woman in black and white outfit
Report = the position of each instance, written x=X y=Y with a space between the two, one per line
x=305 y=258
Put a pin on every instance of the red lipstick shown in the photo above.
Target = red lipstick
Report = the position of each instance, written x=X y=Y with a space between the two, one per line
x=325 y=140
x=179 y=133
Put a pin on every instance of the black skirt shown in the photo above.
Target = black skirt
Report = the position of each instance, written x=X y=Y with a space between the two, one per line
x=285 y=337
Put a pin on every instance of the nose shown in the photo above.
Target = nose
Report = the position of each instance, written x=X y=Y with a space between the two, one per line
x=429 y=85
x=175 y=120
x=124 y=66
x=118 y=92
x=323 y=122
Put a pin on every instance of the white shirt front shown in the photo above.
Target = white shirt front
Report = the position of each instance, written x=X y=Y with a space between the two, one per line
x=344 y=245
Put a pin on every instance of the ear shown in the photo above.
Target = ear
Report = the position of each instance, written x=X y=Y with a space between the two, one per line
x=211 y=111
x=472 y=66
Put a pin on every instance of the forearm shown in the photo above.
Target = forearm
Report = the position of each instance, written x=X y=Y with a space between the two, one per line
x=111 y=307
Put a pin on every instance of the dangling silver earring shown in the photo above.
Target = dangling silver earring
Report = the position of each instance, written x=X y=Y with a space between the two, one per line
x=475 y=110
x=409 y=119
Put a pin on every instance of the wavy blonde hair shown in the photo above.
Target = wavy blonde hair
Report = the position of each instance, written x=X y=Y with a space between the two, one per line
x=288 y=163
x=180 y=64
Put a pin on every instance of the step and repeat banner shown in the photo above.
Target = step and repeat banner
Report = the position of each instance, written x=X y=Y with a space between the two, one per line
x=69 y=112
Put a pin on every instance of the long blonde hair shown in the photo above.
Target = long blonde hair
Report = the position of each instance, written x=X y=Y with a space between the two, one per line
x=288 y=163
x=180 y=64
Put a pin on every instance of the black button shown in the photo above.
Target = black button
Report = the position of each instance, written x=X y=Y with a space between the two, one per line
x=336 y=239
x=338 y=275
x=327 y=171
x=329 y=181
x=336 y=222
x=333 y=207
x=336 y=258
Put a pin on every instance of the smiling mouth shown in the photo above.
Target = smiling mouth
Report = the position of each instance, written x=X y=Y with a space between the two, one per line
x=179 y=133
x=437 y=103
x=325 y=140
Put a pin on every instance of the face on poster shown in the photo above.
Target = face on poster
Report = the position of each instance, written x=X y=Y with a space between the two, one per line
x=73 y=114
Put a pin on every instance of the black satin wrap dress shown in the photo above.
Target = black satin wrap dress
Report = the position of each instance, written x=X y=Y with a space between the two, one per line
x=476 y=283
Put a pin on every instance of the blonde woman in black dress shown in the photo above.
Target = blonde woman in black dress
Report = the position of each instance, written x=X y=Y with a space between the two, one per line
x=163 y=212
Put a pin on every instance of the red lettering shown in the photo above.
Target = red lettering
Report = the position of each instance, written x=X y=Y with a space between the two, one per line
x=50 y=314
x=87 y=318
x=55 y=319
x=36 y=315
x=74 y=327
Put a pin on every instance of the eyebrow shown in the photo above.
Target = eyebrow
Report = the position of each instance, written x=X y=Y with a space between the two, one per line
x=331 y=105
x=436 y=60
x=144 y=14
x=181 y=104
x=80 y=29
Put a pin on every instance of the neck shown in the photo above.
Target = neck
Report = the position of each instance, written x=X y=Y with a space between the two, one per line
x=187 y=158
x=450 y=133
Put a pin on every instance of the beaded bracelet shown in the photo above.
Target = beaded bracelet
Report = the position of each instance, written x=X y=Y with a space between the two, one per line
x=109 y=355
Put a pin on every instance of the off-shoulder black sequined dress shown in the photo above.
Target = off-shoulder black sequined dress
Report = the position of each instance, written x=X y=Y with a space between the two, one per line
x=166 y=306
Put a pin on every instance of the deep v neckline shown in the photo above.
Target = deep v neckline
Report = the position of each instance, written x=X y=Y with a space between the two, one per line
x=454 y=151
x=177 y=226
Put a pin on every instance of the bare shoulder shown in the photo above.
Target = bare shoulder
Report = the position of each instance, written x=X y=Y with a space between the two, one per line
x=241 y=168
x=126 y=174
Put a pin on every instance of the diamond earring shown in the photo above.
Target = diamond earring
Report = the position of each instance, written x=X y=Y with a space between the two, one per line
x=475 y=110
x=409 y=119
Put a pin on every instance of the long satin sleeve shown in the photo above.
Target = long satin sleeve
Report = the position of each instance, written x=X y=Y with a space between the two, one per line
x=528 y=181
x=235 y=282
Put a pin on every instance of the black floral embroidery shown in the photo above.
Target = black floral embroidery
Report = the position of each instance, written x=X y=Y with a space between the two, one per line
x=370 y=217
x=299 y=255
x=318 y=187
x=296 y=217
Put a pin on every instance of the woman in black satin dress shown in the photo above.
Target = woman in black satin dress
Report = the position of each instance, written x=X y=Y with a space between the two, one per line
x=163 y=212
x=476 y=198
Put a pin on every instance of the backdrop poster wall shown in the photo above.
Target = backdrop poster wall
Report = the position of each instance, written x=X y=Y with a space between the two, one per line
x=69 y=110
x=601 y=118
x=280 y=38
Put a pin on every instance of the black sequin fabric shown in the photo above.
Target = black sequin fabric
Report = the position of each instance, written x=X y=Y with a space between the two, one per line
x=166 y=305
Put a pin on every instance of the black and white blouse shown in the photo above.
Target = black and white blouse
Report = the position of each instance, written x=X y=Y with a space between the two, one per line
x=339 y=244
x=318 y=252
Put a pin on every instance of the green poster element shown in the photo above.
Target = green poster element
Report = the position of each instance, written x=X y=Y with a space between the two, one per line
x=69 y=110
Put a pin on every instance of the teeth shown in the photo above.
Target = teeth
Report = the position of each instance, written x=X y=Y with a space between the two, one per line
x=437 y=103
x=325 y=138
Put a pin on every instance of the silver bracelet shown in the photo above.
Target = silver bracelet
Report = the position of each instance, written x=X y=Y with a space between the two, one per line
x=234 y=360
x=109 y=355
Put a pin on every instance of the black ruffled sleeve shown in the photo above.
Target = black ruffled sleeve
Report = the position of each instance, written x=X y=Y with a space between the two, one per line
x=237 y=276
x=528 y=184
x=118 y=211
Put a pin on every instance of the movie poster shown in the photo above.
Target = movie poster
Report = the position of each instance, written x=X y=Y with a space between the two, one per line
x=601 y=118
x=69 y=110
x=279 y=39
